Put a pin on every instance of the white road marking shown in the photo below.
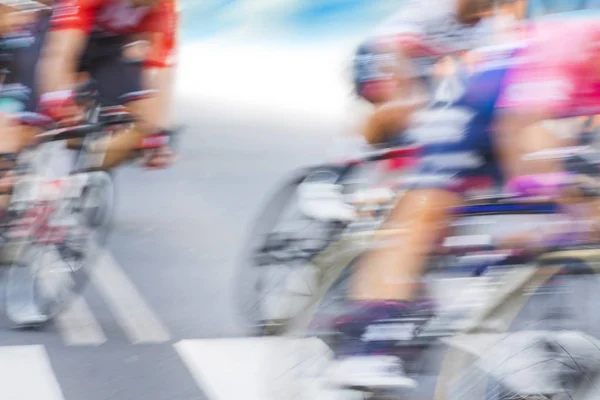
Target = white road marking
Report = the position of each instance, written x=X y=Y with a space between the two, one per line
x=78 y=327
x=26 y=373
x=127 y=305
x=258 y=368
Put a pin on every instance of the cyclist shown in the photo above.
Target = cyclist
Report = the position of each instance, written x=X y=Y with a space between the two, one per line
x=508 y=96
x=15 y=27
x=393 y=68
x=126 y=46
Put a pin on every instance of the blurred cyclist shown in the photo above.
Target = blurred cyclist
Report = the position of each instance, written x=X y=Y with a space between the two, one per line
x=393 y=69
x=16 y=22
x=126 y=46
x=459 y=145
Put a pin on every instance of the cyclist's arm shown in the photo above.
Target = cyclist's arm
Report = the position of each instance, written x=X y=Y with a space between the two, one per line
x=529 y=99
x=160 y=28
x=389 y=120
x=515 y=128
x=66 y=41
x=161 y=80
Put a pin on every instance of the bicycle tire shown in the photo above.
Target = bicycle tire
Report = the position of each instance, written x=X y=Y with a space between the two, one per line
x=461 y=375
x=78 y=277
x=247 y=299
x=294 y=337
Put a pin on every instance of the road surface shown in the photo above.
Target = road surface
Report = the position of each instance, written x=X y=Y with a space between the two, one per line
x=145 y=326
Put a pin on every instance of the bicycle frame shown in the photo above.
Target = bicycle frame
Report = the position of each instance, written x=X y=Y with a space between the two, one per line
x=495 y=205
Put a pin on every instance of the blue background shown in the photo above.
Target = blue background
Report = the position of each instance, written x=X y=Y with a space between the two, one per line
x=294 y=19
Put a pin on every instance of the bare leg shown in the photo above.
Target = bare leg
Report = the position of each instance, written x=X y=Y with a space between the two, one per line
x=391 y=272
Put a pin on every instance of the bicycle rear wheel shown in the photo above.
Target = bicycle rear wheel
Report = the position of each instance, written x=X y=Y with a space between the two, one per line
x=542 y=319
x=543 y=341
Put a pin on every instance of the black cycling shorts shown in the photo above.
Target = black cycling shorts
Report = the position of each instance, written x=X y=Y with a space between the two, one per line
x=117 y=79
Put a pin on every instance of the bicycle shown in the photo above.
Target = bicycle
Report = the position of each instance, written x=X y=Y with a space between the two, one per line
x=330 y=262
x=65 y=217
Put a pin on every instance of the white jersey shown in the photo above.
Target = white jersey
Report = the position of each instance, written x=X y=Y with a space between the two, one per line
x=433 y=25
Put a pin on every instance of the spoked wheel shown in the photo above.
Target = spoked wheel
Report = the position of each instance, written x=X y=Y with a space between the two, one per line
x=538 y=338
x=276 y=279
x=298 y=359
x=542 y=343
x=46 y=275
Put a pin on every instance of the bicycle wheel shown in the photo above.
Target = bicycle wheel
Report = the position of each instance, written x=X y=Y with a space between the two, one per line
x=543 y=316
x=275 y=278
x=299 y=356
x=46 y=275
x=543 y=342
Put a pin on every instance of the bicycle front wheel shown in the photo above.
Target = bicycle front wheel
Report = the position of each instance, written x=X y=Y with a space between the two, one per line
x=275 y=279
x=48 y=273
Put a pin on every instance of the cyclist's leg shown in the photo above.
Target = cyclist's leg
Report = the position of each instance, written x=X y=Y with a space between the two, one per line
x=386 y=283
x=425 y=207
x=423 y=212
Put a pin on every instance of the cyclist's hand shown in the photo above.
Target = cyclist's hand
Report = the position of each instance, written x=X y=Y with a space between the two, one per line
x=158 y=151
x=61 y=107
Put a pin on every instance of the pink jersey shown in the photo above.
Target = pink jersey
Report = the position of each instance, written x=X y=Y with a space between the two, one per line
x=558 y=73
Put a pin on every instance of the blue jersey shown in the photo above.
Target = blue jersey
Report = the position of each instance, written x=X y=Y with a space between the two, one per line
x=457 y=136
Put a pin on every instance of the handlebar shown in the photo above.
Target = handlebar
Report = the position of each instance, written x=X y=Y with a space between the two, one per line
x=104 y=117
x=66 y=133
x=110 y=116
x=391 y=153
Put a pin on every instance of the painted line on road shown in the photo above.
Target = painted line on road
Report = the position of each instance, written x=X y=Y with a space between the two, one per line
x=76 y=324
x=259 y=368
x=126 y=303
x=26 y=373
x=78 y=327
x=215 y=364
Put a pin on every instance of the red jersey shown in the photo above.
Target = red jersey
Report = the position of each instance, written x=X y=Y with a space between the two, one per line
x=118 y=17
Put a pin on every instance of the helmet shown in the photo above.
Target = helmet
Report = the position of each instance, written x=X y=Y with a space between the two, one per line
x=373 y=70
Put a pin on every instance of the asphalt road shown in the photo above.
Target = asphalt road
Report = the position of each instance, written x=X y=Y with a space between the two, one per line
x=157 y=321
x=164 y=288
